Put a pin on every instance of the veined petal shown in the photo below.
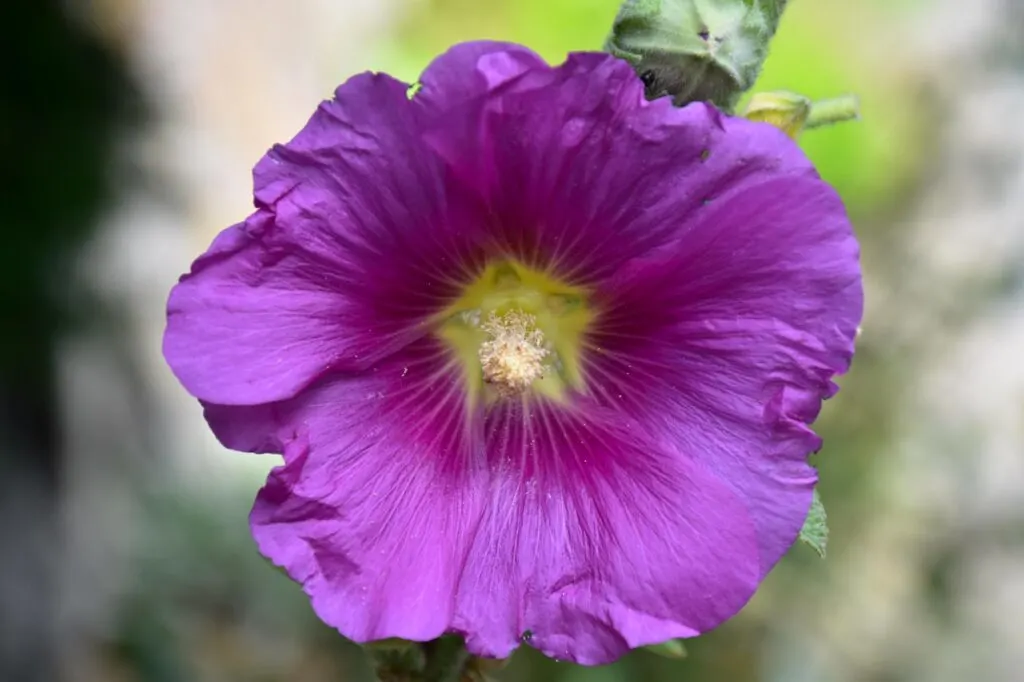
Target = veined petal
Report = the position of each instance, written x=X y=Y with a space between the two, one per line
x=581 y=174
x=379 y=497
x=731 y=361
x=347 y=256
x=600 y=539
x=563 y=527
x=473 y=70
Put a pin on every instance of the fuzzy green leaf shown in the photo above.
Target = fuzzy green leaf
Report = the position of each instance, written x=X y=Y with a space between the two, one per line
x=815 y=530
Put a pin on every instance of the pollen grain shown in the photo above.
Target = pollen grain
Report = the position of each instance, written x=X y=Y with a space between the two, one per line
x=514 y=354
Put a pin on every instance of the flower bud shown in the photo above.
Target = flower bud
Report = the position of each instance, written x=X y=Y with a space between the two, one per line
x=695 y=50
x=794 y=113
x=785 y=110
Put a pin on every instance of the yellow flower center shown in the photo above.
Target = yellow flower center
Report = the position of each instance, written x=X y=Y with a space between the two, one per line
x=516 y=330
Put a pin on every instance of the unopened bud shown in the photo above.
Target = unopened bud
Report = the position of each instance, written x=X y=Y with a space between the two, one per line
x=696 y=50
x=673 y=648
x=794 y=113
x=786 y=111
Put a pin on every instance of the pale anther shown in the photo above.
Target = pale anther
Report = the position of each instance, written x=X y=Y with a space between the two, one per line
x=514 y=354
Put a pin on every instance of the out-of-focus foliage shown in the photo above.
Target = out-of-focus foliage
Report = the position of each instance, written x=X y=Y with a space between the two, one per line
x=820 y=52
x=64 y=99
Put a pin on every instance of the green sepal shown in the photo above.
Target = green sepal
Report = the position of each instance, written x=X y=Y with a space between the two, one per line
x=396 y=659
x=815 y=530
x=673 y=648
x=390 y=644
x=479 y=669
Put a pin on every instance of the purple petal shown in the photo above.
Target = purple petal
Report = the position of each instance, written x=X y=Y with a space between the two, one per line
x=597 y=540
x=582 y=174
x=731 y=361
x=376 y=506
x=472 y=70
x=349 y=253
x=402 y=520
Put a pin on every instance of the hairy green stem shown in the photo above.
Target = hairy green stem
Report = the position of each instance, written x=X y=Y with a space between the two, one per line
x=834 y=110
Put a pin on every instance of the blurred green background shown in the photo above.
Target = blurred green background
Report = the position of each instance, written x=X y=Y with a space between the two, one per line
x=139 y=120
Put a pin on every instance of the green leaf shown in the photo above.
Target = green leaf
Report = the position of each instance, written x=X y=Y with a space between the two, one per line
x=815 y=530
x=673 y=648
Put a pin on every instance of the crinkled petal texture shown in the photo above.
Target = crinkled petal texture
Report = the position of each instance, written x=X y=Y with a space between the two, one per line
x=647 y=505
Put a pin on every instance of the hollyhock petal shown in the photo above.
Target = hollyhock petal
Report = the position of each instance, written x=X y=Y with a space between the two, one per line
x=372 y=512
x=347 y=255
x=472 y=70
x=254 y=321
x=733 y=360
x=581 y=173
x=599 y=539
x=561 y=527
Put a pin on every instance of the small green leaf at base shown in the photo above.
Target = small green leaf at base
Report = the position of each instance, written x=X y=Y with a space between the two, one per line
x=815 y=530
x=673 y=648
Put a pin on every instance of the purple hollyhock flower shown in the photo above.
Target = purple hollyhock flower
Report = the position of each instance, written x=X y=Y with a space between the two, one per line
x=540 y=355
